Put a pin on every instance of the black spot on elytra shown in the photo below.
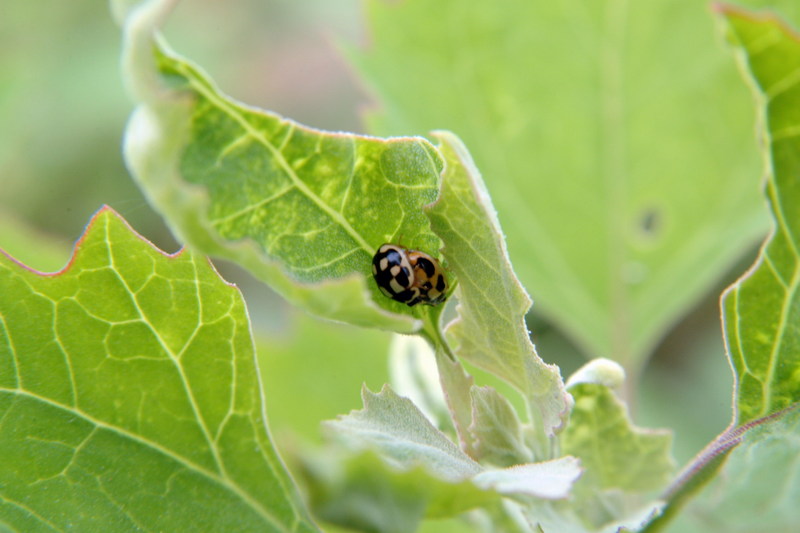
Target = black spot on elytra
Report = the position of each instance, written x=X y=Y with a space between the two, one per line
x=402 y=278
x=427 y=266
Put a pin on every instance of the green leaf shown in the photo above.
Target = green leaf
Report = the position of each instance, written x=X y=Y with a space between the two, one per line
x=362 y=491
x=614 y=453
x=414 y=454
x=496 y=429
x=762 y=310
x=562 y=517
x=303 y=210
x=614 y=139
x=397 y=428
x=490 y=330
x=758 y=489
x=550 y=480
x=130 y=399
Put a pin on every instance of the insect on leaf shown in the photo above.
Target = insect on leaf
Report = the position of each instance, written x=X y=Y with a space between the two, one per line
x=490 y=329
x=302 y=209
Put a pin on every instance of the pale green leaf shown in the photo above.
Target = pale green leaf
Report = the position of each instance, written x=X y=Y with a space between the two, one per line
x=360 y=490
x=614 y=453
x=400 y=432
x=130 y=399
x=490 y=330
x=496 y=429
x=413 y=452
x=762 y=310
x=550 y=480
x=302 y=209
x=613 y=137
x=562 y=517
x=759 y=488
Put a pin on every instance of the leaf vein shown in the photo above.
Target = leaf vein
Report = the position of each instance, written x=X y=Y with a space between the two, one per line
x=287 y=168
x=213 y=476
x=30 y=511
x=776 y=347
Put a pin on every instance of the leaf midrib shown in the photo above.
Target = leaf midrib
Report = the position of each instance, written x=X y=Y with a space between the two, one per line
x=225 y=106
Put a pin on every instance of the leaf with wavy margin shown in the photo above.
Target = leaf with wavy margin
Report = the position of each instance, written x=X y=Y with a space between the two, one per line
x=490 y=329
x=130 y=399
x=303 y=210
x=762 y=310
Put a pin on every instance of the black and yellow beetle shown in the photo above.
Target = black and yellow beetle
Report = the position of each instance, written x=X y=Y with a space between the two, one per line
x=409 y=276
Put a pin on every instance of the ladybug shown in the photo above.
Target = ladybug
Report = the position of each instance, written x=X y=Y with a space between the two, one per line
x=409 y=276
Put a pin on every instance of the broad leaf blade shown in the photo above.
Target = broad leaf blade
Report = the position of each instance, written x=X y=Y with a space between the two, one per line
x=304 y=210
x=550 y=480
x=762 y=310
x=130 y=398
x=496 y=429
x=490 y=330
x=605 y=130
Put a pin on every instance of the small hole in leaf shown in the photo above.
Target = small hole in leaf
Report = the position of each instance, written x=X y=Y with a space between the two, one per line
x=650 y=222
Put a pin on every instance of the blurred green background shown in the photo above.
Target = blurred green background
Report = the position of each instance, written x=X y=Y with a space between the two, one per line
x=63 y=109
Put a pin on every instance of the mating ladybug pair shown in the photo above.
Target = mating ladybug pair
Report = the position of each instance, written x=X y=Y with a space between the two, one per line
x=409 y=276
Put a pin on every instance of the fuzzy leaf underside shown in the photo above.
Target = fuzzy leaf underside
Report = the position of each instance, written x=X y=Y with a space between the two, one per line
x=496 y=430
x=129 y=396
x=382 y=452
x=303 y=209
x=490 y=329
x=613 y=138
x=396 y=427
x=362 y=491
x=762 y=310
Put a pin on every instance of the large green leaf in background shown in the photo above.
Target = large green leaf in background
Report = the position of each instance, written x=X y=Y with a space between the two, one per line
x=304 y=210
x=614 y=136
x=130 y=399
